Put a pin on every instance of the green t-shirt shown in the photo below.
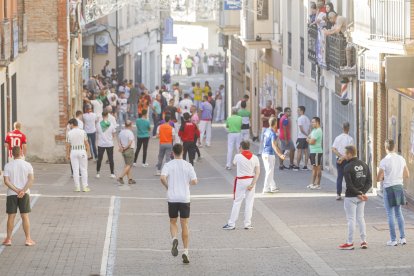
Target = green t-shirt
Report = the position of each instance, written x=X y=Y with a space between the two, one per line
x=317 y=135
x=244 y=113
x=143 y=127
x=234 y=124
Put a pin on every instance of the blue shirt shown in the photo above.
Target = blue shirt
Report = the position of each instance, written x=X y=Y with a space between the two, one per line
x=268 y=137
x=143 y=127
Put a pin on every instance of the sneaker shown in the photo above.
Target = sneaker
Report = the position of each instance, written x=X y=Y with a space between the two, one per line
x=316 y=187
x=305 y=168
x=77 y=189
x=98 y=175
x=310 y=186
x=228 y=168
x=248 y=227
x=146 y=165
x=266 y=192
x=281 y=168
x=338 y=197
x=275 y=190
x=186 y=260
x=113 y=176
x=364 y=245
x=392 y=243
x=228 y=227
x=174 y=249
x=86 y=189
x=121 y=181
x=346 y=246
x=158 y=173
x=294 y=168
x=134 y=165
x=403 y=241
x=132 y=181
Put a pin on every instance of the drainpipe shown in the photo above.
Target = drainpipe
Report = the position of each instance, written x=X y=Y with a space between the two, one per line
x=68 y=55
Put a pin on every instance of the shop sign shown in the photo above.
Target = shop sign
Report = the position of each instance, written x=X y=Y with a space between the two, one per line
x=370 y=67
x=232 y=5
x=102 y=43
x=168 y=35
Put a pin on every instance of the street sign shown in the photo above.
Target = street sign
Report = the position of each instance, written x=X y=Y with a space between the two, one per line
x=232 y=5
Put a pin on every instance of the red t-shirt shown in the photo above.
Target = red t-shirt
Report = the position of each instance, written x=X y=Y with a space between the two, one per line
x=15 y=138
x=267 y=112
x=284 y=121
x=189 y=132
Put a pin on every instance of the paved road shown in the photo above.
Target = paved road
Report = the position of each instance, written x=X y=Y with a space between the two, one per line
x=124 y=230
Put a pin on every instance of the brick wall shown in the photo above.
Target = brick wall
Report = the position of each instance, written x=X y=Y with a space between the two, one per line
x=42 y=16
x=412 y=20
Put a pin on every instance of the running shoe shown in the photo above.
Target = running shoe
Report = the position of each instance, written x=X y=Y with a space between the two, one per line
x=294 y=168
x=316 y=187
x=158 y=173
x=275 y=190
x=403 y=241
x=113 y=176
x=134 y=165
x=121 y=181
x=98 y=175
x=281 y=168
x=266 y=192
x=145 y=165
x=228 y=168
x=338 y=197
x=174 y=249
x=132 y=181
x=186 y=260
x=248 y=227
x=364 y=245
x=346 y=246
x=86 y=189
x=77 y=189
x=310 y=186
x=392 y=243
x=228 y=227
x=305 y=168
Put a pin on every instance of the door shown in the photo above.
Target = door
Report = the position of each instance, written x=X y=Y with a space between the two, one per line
x=370 y=125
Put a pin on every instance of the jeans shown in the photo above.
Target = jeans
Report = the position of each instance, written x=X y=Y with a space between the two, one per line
x=392 y=212
x=189 y=147
x=354 y=210
x=122 y=117
x=165 y=150
x=155 y=119
x=340 y=177
x=133 y=110
x=140 y=142
x=92 y=143
x=110 y=153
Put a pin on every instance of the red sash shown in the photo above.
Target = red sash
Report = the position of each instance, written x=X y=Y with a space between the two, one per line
x=235 y=183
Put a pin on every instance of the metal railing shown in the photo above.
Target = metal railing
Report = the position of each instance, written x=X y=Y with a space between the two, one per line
x=5 y=34
x=312 y=38
x=22 y=32
x=336 y=52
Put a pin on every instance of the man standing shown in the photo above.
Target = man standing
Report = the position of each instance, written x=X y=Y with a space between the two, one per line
x=205 y=63
x=91 y=119
x=106 y=135
x=16 y=138
x=122 y=109
x=266 y=114
x=185 y=106
x=198 y=95
x=126 y=141
x=270 y=148
x=166 y=134
x=286 y=140
x=338 y=148
x=143 y=135
x=316 y=153
x=156 y=112
x=188 y=132
x=220 y=103
x=79 y=118
x=358 y=182
x=77 y=151
x=177 y=176
x=188 y=65
x=244 y=99
x=18 y=177
x=206 y=114
x=393 y=170
x=303 y=133
x=233 y=125
x=133 y=102
x=245 y=114
x=248 y=171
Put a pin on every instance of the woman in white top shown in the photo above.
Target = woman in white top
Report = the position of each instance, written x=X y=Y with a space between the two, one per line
x=106 y=134
x=393 y=169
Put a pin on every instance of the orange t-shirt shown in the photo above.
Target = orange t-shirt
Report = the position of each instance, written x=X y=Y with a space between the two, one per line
x=166 y=133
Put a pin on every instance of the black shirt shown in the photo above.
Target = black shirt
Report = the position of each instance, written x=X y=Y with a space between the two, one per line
x=357 y=177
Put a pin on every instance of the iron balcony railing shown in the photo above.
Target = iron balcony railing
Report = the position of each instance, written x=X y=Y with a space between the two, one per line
x=22 y=33
x=312 y=38
x=5 y=34
x=336 y=55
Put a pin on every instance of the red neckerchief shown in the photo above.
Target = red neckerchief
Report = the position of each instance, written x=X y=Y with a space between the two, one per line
x=248 y=154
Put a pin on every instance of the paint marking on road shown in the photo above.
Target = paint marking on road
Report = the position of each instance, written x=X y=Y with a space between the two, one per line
x=135 y=249
x=307 y=254
x=109 y=249
x=33 y=200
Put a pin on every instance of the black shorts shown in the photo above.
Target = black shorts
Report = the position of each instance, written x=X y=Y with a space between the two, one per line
x=177 y=207
x=12 y=203
x=316 y=159
x=301 y=143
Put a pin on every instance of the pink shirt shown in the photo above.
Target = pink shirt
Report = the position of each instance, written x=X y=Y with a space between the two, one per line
x=195 y=119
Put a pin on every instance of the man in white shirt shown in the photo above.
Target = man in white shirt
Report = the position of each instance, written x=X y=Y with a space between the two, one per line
x=303 y=133
x=177 y=176
x=77 y=151
x=90 y=120
x=106 y=134
x=18 y=177
x=113 y=100
x=122 y=109
x=338 y=148
x=185 y=105
x=126 y=142
x=79 y=118
x=393 y=170
x=248 y=171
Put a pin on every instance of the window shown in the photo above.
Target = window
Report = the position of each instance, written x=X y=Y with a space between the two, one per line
x=262 y=9
x=302 y=55
x=289 y=61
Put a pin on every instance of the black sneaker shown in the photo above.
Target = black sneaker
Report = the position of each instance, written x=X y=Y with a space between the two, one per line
x=305 y=168
x=294 y=168
x=174 y=249
x=281 y=168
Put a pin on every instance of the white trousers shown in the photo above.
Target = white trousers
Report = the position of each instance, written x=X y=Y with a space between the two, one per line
x=245 y=135
x=205 y=68
x=205 y=129
x=79 y=162
x=233 y=142
x=261 y=140
x=219 y=110
x=269 y=162
x=242 y=193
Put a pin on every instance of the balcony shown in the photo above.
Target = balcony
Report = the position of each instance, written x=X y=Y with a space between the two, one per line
x=256 y=31
x=5 y=42
x=229 y=22
x=23 y=33
x=312 y=38
x=15 y=39
x=340 y=56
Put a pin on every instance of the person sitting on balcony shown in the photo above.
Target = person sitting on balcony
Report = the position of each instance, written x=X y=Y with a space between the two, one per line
x=339 y=24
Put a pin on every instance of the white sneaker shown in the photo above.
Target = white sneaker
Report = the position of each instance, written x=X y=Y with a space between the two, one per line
x=146 y=165
x=403 y=241
x=157 y=173
x=310 y=186
x=134 y=165
x=316 y=187
x=113 y=176
x=392 y=243
x=228 y=168
x=97 y=175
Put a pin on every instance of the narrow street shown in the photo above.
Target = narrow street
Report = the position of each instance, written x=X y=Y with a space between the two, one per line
x=124 y=230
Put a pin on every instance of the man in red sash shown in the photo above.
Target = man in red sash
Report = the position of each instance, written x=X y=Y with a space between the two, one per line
x=248 y=171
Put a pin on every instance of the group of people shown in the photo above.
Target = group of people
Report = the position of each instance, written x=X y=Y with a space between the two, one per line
x=200 y=63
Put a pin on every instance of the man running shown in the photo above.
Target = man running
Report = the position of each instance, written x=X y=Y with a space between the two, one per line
x=248 y=171
x=206 y=114
x=233 y=125
x=185 y=106
x=77 y=151
x=16 y=138
x=316 y=153
x=106 y=135
x=177 y=176
x=166 y=134
x=245 y=114
x=143 y=135
x=126 y=141
x=188 y=131
x=18 y=177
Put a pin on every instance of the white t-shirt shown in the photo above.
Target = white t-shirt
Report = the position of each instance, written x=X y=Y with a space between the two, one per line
x=176 y=97
x=90 y=122
x=80 y=123
x=126 y=136
x=179 y=173
x=97 y=107
x=112 y=98
x=245 y=167
x=105 y=139
x=393 y=166
x=76 y=137
x=342 y=141
x=123 y=105
x=303 y=121
x=185 y=106
x=18 y=171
